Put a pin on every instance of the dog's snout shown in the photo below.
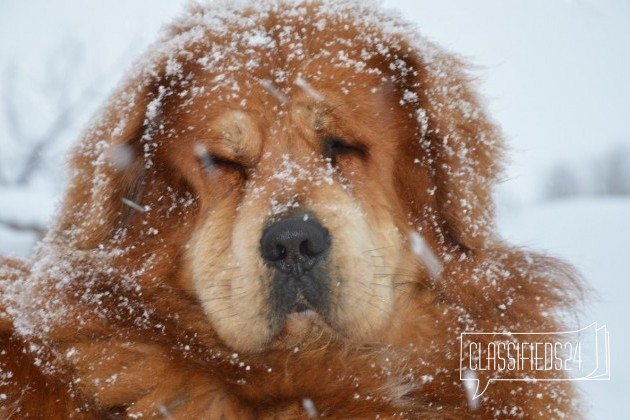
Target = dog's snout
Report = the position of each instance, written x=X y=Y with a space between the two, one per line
x=294 y=245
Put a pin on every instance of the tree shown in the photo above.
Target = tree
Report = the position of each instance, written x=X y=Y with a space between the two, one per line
x=616 y=172
x=561 y=182
x=41 y=110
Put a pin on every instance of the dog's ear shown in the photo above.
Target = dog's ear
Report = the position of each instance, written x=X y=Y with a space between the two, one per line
x=464 y=145
x=111 y=166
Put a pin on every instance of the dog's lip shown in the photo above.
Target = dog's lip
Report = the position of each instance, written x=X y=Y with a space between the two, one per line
x=302 y=310
x=296 y=328
x=308 y=313
x=301 y=305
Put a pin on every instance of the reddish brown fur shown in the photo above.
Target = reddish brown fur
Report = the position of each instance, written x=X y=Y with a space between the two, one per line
x=176 y=363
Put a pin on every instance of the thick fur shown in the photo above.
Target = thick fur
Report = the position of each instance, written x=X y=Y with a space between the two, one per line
x=149 y=295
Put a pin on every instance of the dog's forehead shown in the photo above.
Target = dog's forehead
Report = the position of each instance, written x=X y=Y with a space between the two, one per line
x=244 y=90
x=252 y=112
x=261 y=64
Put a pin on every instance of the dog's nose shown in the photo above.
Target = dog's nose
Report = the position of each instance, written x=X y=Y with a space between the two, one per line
x=294 y=245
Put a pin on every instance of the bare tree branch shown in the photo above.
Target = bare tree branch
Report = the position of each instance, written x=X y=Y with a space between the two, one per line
x=38 y=145
x=24 y=227
x=10 y=106
x=52 y=135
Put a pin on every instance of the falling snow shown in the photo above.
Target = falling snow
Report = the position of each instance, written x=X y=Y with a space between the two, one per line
x=55 y=267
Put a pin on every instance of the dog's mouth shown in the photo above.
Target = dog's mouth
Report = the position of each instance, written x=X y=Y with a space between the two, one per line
x=301 y=305
x=299 y=293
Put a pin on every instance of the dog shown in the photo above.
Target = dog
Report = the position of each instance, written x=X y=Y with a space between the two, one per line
x=284 y=211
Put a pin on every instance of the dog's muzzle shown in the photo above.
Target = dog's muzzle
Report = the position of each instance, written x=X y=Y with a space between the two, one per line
x=295 y=248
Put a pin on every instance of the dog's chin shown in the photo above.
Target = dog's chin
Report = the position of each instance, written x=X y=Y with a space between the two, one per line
x=302 y=329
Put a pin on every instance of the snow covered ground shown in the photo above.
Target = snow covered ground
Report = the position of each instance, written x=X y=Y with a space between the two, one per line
x=554 y=72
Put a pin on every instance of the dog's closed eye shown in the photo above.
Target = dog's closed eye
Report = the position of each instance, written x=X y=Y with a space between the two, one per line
x=334 y=147
x=211 y=163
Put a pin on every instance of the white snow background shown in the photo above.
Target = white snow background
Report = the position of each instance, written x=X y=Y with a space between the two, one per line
x=555 y=73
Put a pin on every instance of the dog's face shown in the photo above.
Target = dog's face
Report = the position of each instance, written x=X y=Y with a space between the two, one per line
x=311 y=150
x=299 y=223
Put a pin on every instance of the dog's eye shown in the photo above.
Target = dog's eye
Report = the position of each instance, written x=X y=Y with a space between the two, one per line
x=335 y=147
x=211 y=163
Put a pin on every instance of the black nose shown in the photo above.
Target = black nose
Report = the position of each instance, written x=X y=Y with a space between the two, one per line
x=294 y=245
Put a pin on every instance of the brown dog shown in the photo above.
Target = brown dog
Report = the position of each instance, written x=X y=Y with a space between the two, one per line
x=285 y=211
